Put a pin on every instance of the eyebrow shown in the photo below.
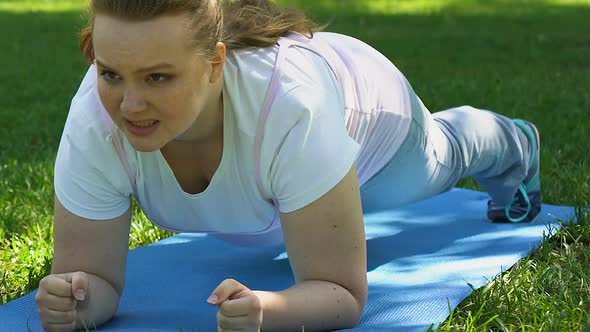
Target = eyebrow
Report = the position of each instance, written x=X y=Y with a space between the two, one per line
x=163 y=65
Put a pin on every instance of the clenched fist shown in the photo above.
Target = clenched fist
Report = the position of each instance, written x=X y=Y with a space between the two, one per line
x=239 y=308
x=59 y=296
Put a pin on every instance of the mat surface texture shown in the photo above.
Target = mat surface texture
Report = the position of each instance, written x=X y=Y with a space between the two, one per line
x=421 y=259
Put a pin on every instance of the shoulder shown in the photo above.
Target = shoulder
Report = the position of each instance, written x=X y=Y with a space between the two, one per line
x=86 y=124
x=247 y=74
x=89 y=179
x=253 y=62
x=307 y=83
x=308 y=90
x=86 y=142
x=86 y=150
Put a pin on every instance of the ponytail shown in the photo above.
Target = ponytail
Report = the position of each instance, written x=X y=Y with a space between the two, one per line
x=260 y=23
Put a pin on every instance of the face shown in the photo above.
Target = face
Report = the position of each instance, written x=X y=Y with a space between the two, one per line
x=152 y=83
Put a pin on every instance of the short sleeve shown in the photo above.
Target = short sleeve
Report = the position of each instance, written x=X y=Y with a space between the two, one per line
x=89 y=179
x=308 y=150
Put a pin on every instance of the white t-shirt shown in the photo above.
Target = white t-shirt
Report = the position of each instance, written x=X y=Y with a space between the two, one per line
x=311 y=141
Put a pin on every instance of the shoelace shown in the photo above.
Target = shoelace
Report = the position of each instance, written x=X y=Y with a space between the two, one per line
x=516 y=200
x=523 y=188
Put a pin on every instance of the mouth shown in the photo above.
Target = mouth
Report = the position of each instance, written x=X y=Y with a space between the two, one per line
x=143 y=124
x=141 y=128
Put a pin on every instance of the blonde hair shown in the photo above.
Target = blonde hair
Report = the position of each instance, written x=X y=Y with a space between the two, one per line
x=236 y=23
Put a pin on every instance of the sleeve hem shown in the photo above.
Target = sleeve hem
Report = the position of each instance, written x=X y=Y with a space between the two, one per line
x=308 y=197
x=92 y=215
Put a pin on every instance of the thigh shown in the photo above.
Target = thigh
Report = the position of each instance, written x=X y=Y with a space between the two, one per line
x=419 y=169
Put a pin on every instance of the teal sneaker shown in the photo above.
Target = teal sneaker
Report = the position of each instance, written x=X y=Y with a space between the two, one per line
x=526 y=203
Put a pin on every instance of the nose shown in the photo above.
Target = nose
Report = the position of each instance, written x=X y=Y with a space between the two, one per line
x=133 y=101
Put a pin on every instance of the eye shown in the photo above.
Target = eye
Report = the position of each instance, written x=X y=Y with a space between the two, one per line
x=109 y=75
x=158 y=78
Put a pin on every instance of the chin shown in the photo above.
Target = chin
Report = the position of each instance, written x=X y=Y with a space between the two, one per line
x=144 y=145
x=145 y=149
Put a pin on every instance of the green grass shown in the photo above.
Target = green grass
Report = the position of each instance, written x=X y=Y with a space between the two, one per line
x=526 y=58
x=44 y=6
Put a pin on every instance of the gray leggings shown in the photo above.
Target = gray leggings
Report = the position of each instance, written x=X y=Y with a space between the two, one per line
x=446 y=146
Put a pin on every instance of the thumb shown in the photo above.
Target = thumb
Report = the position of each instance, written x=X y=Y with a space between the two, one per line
x=225 y=290
x=79 y=285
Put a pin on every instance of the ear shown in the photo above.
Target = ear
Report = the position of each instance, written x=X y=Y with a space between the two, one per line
x=217 y=62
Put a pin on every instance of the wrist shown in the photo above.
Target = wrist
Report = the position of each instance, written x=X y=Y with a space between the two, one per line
x=99 y=306
x=272 y=304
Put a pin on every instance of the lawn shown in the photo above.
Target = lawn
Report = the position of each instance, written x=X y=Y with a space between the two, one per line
x=525 y=58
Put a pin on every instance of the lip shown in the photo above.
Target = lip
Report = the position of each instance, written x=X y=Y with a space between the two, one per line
x=141 y=131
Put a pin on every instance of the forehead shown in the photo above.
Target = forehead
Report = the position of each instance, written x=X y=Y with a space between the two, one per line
x=133 y=43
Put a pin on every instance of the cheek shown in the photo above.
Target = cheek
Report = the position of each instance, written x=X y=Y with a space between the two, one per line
x=183 y=100
x=109 y=97
x=172 y=102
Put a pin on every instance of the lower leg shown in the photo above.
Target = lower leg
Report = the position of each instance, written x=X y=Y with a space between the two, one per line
x=487 y=146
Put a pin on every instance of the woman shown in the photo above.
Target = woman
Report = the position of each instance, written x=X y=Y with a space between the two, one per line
x=231 y=119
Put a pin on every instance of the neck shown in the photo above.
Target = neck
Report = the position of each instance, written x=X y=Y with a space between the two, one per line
x=208 y=127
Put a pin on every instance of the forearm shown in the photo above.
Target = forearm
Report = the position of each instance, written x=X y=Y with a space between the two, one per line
x=314 y=305
x=100 y=304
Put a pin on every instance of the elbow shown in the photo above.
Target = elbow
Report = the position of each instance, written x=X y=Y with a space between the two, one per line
x=353 y=317
x=361 y=303
x=357 y=309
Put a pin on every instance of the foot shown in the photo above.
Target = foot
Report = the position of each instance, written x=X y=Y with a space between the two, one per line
x=526 y=203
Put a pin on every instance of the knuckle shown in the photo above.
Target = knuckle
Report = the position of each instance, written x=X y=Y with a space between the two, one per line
x=222 y=321
x=67 y=316
x=66 y=289
x=49 y=328
x=71 y=304
x=225 y=324
x=43 y=313
x=79 y=275
x=223 y=310
x=43 y=282
x=228 y=283
x=38 y=297
x=256 y=305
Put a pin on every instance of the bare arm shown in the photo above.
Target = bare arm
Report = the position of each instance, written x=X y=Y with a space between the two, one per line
x=327 y=251
x=99 y=248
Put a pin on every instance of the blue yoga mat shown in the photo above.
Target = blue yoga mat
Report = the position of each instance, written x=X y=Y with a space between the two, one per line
x=421 y=259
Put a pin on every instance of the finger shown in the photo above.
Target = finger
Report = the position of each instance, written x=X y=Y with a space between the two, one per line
x=57 y=302
x=225 y=290
x=57 y=286
x=240 y=307
x=57 y=317
x=232 y=323
x=79 y=285
x=64 y=276
x=219 y=329
x=60 y=327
